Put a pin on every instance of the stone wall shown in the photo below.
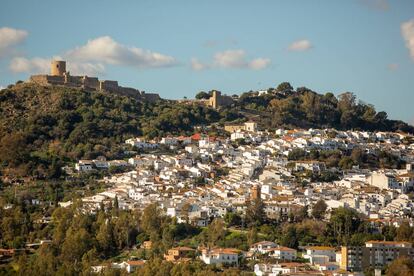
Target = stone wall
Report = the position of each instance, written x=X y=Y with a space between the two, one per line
x=93 y=84
x=89 y=82
x=217 y=100
x=150 y=97
x=39 y=79
x=108 y=85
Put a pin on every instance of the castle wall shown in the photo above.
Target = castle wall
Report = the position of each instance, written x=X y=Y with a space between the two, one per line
x=91 y=82
x=127 y=91
x=55 y=79
x=151 y=97
x=224 y=100
x=108 y=85
x=217 y=100
x=75 y=80
x=59 y=76
x=39 y=79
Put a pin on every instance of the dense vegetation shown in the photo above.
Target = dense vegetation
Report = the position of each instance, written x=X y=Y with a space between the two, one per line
x=81 y=240
x=284 y=106
x=41 y=128
x=345 y=160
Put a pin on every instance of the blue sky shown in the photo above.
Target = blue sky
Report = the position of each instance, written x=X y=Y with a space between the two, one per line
x=177 y=48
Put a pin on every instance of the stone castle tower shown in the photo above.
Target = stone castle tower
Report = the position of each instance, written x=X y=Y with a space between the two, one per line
x=215 y=99
x=58 y=68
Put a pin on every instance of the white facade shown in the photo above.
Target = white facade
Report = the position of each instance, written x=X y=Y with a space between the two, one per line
x=220 y=256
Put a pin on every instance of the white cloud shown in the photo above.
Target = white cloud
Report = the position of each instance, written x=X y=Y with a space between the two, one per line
x=90 y=59
x=9 y=38
x=300 y=45
x=259 y=63
x=106 y=50
x=197 y=65
x=42 y=65
x=231 y=59
x=34 y=65
x=407 y=31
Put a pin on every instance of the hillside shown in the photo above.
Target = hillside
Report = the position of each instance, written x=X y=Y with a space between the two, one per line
x=304 y=108
x=41 y=128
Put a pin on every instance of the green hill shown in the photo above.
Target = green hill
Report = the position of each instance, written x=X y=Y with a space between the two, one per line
x=41 y=128
x=304 y=108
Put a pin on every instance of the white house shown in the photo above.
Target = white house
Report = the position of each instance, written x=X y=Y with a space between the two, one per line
x=169 y=141
x=129 y=266
x=140 y=143
x=384 y=180
x=320 y=254
x=183 y=161
x=237 y=135
x=279 y=269
x=84 y=166
x=262 y=247
x=220 y=256
x=283 y=253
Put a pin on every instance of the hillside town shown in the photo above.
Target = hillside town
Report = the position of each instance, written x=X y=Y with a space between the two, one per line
x=214 y=138
x=208 y=177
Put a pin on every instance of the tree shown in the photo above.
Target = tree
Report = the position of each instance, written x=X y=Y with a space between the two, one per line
x=290 y=237
x=115 y=210
x=343 y=223
x=302 y=213
x=297 y=154
x=252 y=236
x=232 y=219
x=151 y=220
x=402 y=266
x=202 y=95
x=125 y=229
x=255 y=215
x=346 y=163
x=347 y=101
x=14 y=149
x=215 y=231
x=77 y=243
x=167 y=237
x=405 y=232
x=357 y=155
x=105 y=238
x=319 y=209
x=284 y=86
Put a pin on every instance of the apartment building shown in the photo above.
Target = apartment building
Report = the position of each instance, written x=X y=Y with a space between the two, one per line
x=374 y=254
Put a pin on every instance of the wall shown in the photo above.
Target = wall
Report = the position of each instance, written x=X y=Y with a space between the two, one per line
x=233 y=128
x=93 y=83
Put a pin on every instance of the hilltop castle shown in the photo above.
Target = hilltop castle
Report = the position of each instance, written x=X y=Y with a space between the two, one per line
x=217 y=100
x=59 y=76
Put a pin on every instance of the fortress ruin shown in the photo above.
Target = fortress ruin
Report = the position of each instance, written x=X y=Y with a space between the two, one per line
x=216 y=100
x=59 y=76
